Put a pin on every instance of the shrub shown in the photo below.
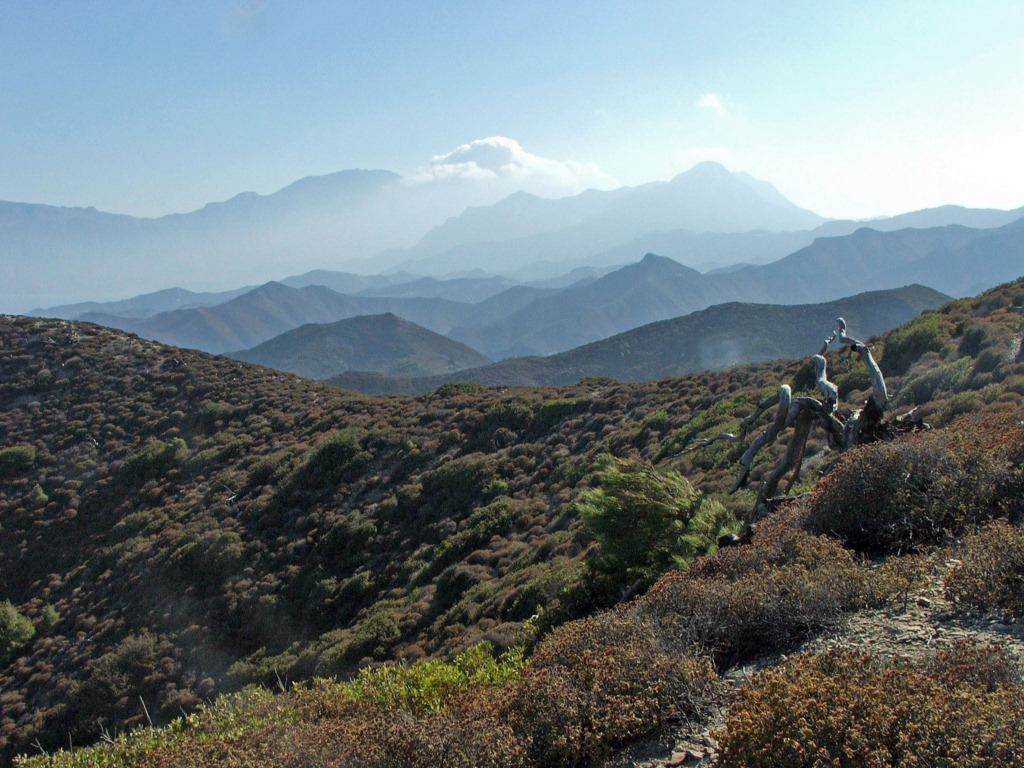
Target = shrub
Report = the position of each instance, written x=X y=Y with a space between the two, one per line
x=458 y=388
x=898 y=496
x=493 y=520
x=926 y=333
x=848 y=709
x=16 y=631
x=600 y=682
x=554 y=411
x=512 y=413
x=989 y=578
x=942 y=377
x=431 y=685
x=647 y=522
x=155 y=458
x=766 y=597
x=16 y=459
x=457 y=486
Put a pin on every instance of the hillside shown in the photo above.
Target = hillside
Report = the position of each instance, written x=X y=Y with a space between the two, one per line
x=385 y=344
x=717 y=337
x=182 y=525
x=274 y=308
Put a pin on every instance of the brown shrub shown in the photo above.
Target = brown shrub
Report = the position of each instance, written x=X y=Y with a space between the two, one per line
x=600 y=682
x=847 y=709
x=767 y=597
x=989 y=579
x=895 y=497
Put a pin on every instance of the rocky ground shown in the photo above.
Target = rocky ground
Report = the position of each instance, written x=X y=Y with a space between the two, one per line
x=915 y=626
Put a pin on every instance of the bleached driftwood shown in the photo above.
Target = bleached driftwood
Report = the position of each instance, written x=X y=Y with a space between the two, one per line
x=803 y=413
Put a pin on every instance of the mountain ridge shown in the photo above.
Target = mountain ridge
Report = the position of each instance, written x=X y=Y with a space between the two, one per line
x=383 y=343
x=717 y=337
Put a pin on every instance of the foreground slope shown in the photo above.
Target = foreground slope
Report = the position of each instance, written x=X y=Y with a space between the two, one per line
x=176 y=525
x=590 y=686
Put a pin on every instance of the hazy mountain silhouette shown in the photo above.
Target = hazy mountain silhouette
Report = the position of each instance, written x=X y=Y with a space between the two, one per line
x=272 y=309
x=383 y=343
x=717 y=337
x=953 y=259
x=524 y=228
x=652 y=289
x=146 y=305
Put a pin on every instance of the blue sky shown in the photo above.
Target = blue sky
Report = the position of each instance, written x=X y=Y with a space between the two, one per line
x=849 y=108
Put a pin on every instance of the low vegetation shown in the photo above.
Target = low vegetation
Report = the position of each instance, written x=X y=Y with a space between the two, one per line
x=961 y=707
x=351 y=554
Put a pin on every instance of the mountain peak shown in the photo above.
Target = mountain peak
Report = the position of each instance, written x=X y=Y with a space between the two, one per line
x=705 y=171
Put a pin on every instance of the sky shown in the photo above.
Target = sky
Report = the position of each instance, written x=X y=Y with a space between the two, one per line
x=851 y=109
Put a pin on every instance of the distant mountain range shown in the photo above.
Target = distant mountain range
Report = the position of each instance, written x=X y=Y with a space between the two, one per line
x=526 y=320
x=717 y=337
x=953 y=259
x=373 y=221
x=523 y=229
x=385 y=344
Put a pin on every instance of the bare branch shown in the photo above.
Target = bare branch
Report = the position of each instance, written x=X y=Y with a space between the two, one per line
x=829 y=391
x=784 y=396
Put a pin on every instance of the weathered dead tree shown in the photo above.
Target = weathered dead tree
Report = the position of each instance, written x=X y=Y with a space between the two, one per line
x=802 y=414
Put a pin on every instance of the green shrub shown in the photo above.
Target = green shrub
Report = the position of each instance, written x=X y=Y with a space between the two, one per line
x=853 y=710
x=493 y=520
x=942 y=377
x=329 y=461
x=37 y=496
x=989 y=577
x=554 y=411
x=926 y=333
x=458 y=388
x=647 y=522
x=49 y=618
x=898 y=496
x=459 y=485
x=513 y=413
x=155 y=458
x=430 y=685
x=16 y=459
x=16 y=631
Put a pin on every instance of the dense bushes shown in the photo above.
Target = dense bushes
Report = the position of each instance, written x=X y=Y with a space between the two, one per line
x=15 y=631
x=963 y=707
x=600 y=682
x=989 y=576
x=903 y=346
x=899 y=496
x=768 y=597
x=16 y=459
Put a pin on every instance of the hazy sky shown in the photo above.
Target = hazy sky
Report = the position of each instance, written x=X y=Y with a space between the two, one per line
x=849 y=108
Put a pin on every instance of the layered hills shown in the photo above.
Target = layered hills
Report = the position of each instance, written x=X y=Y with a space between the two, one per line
x=61 y=255
x=385 y=344
x=177 y=525
x=717 y=337
x=528 y=320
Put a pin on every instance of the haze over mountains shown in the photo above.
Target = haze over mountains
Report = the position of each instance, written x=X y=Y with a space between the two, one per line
x=717 y=337
x=523 y=277
x=370 y=222
x=383 y=343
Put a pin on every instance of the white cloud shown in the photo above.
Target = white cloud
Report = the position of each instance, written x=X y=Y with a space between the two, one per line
x=711 y=101
x=502 y=160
